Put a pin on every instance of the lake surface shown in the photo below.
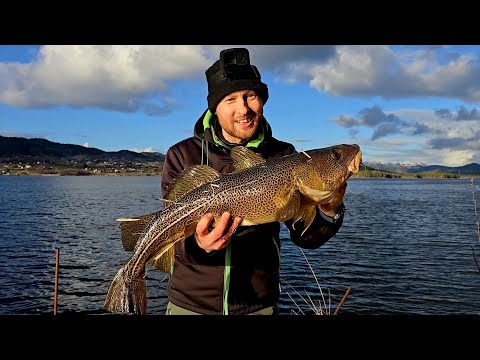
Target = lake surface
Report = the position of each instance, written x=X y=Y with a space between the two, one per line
x=407 y=246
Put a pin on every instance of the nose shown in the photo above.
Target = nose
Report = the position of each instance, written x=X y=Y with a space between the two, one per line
x=242 y=107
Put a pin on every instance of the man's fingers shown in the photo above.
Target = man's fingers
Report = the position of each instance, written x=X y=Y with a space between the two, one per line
x=223 y=240
x=203 y=224
x=233 y=228
x=224 y=228
x=223 y=223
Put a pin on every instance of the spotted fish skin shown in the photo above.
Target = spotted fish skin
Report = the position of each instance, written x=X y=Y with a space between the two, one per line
x=259 y=191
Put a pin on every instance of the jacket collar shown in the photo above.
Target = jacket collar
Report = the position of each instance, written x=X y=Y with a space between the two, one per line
x=205 y=130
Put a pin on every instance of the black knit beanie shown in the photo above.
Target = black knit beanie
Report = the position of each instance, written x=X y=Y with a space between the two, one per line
x=228 y=75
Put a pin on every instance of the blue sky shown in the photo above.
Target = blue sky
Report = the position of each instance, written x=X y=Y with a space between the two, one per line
x=409 y=104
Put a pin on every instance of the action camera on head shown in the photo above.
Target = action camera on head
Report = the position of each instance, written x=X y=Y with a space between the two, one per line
x=235 y=65
x=237 y=56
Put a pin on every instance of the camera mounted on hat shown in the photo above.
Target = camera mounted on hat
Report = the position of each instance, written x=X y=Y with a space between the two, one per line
x=235 y=65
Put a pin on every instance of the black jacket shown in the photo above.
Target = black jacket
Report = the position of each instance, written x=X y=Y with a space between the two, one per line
x=246 y=273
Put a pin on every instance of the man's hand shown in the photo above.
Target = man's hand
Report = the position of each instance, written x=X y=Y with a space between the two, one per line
x=220 y=235
x=330 y=208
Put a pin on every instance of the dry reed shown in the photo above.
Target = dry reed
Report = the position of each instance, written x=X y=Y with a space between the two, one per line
x=322 y=308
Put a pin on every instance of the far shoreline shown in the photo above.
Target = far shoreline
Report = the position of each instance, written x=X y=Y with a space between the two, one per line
x=387 y=176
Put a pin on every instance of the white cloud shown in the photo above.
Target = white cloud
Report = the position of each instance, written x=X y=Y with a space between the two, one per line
x=127 y=77
x=374 y=70
x=148 y=149
x=417 y=135
x=106 y=76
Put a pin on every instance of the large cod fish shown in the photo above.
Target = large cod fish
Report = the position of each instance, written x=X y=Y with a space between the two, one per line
x=259 y=191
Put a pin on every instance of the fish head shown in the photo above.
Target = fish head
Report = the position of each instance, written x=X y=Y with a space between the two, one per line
x=323 y=171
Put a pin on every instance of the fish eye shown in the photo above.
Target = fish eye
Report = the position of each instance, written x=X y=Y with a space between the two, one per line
x=335 y=154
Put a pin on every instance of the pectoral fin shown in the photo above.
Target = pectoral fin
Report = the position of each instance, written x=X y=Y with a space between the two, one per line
x=306 y=212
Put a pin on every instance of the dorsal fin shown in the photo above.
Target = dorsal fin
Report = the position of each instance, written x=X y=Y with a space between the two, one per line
x=244 y=158
x=189 y=179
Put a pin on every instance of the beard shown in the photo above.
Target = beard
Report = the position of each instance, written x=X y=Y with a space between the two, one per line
x=237 y=133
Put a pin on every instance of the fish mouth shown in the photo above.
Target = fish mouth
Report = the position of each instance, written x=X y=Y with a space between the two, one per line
x=354 y=165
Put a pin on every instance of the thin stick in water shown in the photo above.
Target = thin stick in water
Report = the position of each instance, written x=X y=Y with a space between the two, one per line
x=55 y=297
x=341 y=302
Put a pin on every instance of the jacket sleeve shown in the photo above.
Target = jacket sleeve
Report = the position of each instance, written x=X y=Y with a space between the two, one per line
x=172 y=166
x=319 y=232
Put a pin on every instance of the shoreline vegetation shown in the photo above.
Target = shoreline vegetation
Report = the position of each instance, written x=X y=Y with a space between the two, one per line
x=153 y=170
x=34 y=157
x=157 y=171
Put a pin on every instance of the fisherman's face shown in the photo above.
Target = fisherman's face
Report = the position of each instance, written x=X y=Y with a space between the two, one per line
x=239 y=114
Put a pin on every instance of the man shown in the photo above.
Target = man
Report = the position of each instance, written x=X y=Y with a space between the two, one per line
x=225 y=269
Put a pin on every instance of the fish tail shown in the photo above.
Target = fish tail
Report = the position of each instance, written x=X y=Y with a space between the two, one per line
x=126 y=294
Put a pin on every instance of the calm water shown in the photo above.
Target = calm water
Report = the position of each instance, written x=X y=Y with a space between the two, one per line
x=406 y=247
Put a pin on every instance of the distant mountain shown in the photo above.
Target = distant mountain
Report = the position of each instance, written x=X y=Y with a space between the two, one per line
x=472 y=168
x=395 y=167
x=22 y=149
x=16 y=149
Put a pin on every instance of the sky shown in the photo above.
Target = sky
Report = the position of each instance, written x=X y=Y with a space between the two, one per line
x=407 y=104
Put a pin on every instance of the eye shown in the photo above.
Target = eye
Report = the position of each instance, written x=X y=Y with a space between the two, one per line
x=335 y=155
